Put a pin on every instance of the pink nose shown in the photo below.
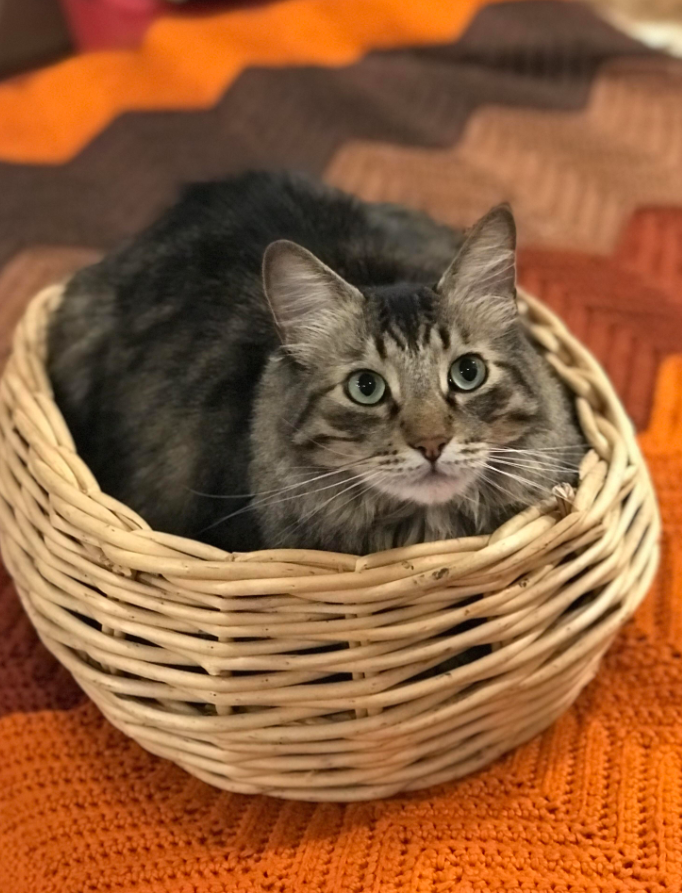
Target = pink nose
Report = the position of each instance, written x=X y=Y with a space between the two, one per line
x=431 y=447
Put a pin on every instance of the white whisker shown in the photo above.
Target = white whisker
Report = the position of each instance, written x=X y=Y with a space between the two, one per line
x=522 y=480
x=537 y=465
x=271 y=502
x=312 y=480
x=318 y=508
x=498 y=486
x=540 y=450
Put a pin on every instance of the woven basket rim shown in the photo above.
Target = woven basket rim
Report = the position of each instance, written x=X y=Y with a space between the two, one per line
x=48 y=299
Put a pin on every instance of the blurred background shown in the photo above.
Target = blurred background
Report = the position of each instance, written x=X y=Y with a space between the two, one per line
x=35 y=32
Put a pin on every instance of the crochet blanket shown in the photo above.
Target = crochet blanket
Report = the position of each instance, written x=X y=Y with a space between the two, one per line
x=449 y=107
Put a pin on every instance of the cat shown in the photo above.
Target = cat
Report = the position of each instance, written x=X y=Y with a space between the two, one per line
x=276 y=364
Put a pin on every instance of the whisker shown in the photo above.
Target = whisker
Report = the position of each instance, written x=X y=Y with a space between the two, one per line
x=312 y=480
x=496 y=484
x=503 y=490
x=544 y=466
x=520 y=479
x=221 y=495
x=318 y=508
x=270 y=502
x=539 y=450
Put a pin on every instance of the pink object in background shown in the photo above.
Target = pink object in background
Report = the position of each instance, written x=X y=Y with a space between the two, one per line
x=107 y=24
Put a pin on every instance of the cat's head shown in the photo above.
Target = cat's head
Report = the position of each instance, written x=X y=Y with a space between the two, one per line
x=408 y=386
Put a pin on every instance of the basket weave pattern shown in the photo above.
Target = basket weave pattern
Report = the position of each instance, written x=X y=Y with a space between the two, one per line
x=313 y=675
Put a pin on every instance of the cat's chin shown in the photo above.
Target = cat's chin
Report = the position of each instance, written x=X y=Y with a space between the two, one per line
x=434 y=488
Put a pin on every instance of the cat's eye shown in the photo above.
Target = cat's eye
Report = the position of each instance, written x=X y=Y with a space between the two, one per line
x=366 y=387
x=467 y=373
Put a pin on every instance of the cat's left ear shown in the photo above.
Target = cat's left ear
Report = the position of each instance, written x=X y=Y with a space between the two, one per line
x=482 y=278
x=308 y=300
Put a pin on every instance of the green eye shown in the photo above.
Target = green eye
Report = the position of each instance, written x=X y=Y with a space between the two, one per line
x=467 y=373
x=366 y=387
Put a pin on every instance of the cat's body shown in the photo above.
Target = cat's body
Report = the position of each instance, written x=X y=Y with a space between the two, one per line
x=168 y=364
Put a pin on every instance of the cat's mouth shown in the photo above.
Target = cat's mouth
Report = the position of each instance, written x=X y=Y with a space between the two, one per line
x=428 y=485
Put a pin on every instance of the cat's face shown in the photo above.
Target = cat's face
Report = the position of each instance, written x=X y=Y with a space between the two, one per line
x=410 y=389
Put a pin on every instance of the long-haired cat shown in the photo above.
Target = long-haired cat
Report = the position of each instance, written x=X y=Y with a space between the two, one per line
x=277 y=364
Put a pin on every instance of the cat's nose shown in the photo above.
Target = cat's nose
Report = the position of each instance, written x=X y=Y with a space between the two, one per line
x=431 y=447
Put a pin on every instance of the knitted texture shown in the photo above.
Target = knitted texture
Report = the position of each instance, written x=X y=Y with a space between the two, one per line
x=74 y=100
x=584 y=147
x=593 y=804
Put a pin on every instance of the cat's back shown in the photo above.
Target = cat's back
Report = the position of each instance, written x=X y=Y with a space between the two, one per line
x=210 y=241
x=190 y=279
x=193 y=278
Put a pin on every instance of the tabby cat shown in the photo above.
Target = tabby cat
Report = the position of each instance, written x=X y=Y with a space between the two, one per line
x=277 y=364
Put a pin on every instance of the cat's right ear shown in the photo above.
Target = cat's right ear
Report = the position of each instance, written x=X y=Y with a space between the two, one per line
x=307 y=299
x=481 y=281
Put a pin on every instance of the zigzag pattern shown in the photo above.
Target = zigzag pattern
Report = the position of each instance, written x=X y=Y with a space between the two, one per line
x=574 y=179
x=629 y=324
x=594 y=804
x=187 y=63
x=542 y=54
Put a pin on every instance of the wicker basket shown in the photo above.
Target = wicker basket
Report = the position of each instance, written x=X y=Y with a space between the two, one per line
x=216 y=661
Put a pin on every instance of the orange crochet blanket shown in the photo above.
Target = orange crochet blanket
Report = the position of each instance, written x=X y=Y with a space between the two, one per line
x=537 y=102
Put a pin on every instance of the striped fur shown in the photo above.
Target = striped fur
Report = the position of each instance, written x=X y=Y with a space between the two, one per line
x=215 y=402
